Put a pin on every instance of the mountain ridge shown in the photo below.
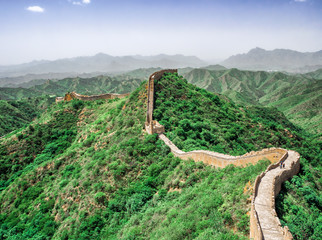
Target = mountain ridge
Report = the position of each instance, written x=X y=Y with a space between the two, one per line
x=276 y=60
x=100 y=62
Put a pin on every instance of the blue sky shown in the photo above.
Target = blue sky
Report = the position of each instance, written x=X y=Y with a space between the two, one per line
x=210 y=29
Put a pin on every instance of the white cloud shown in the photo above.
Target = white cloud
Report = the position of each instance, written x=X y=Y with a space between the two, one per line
x=300 y=0
x=35 y=9
x=83 y=2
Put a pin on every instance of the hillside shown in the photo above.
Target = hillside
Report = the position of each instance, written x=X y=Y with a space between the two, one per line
x=86 y=170
x=276 y=60
x=16 y=114
x=299 y=97
x=19 y=112
x=88 y=86
x=315 y=75
x=17 y=93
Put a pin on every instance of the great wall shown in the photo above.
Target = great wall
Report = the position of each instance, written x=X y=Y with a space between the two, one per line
x=73 y=95
x=264 y=223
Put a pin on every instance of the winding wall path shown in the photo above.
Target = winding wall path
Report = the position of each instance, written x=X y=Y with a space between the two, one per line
x=264 y=223
x=222 y=160
x=267 y=187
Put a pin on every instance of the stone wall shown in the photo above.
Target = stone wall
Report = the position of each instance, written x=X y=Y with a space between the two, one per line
x=255 y=228
x=222 y=160
x=275 y=155
x=278 y=180
x=74 y=95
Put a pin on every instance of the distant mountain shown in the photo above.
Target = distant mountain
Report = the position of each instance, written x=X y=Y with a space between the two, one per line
x=316 y=74
x=30 y=80
x=215 y=67
x=143 y=73
x=299 y=97
x=101 y=63
x=276 y=60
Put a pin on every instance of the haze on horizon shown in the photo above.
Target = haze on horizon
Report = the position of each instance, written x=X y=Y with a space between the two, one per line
x=53 y=29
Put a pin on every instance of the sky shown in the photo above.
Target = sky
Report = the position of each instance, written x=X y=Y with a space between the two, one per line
x=209 y=29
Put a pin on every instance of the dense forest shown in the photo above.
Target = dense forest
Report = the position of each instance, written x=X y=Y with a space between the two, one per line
x=87 y=170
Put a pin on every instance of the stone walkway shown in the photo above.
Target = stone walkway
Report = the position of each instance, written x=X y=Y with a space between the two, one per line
x=263 y=201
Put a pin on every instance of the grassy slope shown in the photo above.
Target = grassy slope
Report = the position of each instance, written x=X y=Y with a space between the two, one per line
x=94 y=174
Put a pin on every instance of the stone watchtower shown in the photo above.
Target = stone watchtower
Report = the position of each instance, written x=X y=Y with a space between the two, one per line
x=152 y=126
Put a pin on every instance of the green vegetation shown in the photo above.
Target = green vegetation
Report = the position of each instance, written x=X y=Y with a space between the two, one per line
x=196 y=119
x=89 y=86
x=25 y=103
x=299 y=96
x=86 y=170
x=19 y=113
x=17 y=93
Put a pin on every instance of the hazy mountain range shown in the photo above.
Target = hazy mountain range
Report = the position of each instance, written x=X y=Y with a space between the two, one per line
x=276 y=60
x=100 y=63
